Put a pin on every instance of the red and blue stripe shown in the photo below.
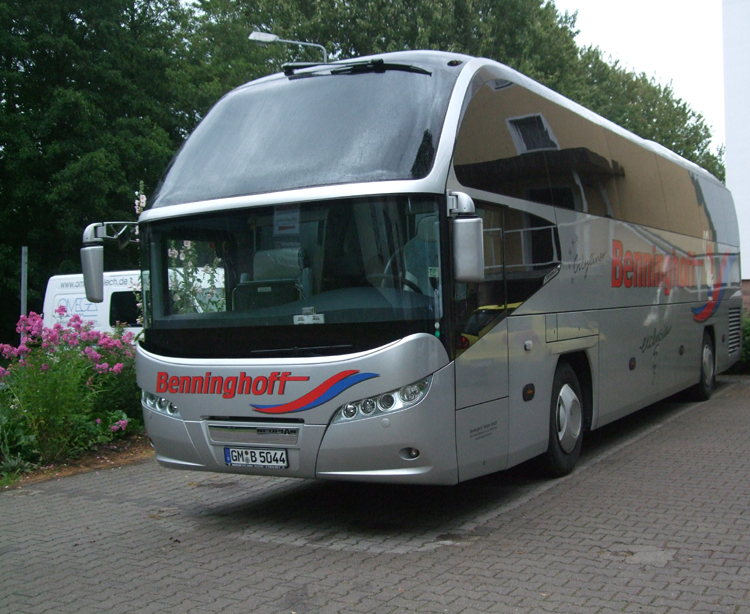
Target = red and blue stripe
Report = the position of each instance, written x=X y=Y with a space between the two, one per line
x=701 y=314
x=328 y=390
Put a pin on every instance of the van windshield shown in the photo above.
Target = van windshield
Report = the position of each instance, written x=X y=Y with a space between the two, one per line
x=327 y=127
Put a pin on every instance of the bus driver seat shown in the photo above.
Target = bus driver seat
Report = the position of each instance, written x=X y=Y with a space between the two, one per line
x=279 y=277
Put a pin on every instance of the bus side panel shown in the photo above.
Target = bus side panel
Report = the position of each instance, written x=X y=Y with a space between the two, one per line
x=530 y=363
x=482 y=370
x=482 y=439
x=673 y=349
x=630 y=362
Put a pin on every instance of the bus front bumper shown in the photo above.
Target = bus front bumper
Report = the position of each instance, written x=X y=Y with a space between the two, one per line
x=415 y=445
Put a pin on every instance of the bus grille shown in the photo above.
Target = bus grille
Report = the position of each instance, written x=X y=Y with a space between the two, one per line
x=734 y=338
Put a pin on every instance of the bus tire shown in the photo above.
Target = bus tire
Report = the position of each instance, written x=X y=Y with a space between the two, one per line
x=703 y=389
x=566 y=423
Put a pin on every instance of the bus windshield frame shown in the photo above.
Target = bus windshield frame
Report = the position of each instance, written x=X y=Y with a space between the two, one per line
x=316 y=278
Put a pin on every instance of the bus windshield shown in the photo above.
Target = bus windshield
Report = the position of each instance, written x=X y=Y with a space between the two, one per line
x=327 y=127
x=336 y=275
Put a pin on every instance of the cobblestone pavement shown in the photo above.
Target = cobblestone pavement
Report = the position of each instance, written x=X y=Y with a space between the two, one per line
x=656 y=518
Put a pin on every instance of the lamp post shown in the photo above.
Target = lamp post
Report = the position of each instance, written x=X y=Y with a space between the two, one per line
x=266 y=37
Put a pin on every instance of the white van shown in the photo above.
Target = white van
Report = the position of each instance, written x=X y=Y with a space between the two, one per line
x=119 y=305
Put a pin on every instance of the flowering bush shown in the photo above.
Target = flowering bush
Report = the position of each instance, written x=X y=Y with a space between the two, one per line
x=65 y=389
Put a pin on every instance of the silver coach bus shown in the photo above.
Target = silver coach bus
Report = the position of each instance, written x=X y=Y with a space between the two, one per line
x=421 y=267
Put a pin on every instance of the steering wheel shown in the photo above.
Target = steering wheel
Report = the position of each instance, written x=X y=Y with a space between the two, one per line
x=396 y=278
x=392 y=260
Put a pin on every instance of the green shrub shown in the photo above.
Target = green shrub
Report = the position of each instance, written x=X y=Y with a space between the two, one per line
x=66 y=389
x=743 y=366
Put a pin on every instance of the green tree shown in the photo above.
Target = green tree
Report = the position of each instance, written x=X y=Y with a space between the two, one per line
x=86 y=112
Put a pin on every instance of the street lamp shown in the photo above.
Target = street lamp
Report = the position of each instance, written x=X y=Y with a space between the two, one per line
x=267 y=37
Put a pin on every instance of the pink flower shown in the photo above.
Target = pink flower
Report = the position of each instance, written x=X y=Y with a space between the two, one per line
x=118 y=368
x=31 y=325
x=114 y=428
x=102 y=368
x=61 y=310
x=98 y=420
x=8 y=351
x=92 y=354
x=45 y=367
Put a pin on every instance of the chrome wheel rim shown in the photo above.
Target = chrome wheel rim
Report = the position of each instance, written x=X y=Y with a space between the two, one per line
x=708 y=365
x=568 y=416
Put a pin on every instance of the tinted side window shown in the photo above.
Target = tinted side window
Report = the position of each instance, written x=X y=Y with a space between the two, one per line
x=520 y=251
x=514 y=142
x=480 y=306
x=532 y=251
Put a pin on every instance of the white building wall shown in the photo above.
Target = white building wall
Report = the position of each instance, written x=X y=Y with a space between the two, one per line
x=736 y=22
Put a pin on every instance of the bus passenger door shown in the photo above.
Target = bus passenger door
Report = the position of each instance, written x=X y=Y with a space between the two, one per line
x=481 y=364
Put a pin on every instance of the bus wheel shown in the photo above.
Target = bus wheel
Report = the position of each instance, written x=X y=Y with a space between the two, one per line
x=704 y=388
x=566 y=423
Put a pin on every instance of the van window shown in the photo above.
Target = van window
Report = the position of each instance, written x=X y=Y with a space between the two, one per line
x=123 y=308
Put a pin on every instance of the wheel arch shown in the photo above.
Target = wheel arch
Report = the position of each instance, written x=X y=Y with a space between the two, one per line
x=579 y=362
x=709 y=328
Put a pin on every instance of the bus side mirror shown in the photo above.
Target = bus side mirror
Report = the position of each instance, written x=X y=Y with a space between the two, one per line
x=92 y=264
x=468 y=249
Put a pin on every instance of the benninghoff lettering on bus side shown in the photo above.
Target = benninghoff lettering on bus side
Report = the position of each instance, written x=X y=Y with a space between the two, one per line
x=652 y=270
x=228 y=387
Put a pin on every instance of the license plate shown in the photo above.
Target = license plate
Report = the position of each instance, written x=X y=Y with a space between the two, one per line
x=256 y=457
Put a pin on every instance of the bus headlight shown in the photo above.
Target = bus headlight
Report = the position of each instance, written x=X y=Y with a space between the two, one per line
x=159 y=404
x=391 y=401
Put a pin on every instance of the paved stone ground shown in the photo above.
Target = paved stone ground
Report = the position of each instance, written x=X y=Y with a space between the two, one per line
x=656 y=518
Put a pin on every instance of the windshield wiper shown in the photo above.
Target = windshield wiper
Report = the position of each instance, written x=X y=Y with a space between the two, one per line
x=377 y=66
x=292 y=66
x=355 y=68
x=311 y=351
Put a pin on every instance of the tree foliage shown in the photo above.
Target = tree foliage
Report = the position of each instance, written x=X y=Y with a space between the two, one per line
x=86 y=112
x=96 y=96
